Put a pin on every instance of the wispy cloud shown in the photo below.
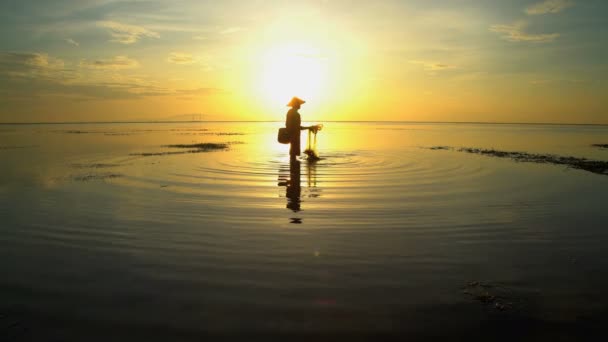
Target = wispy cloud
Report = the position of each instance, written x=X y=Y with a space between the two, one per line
x=549 y=6
x=49 y=77
x=72 y=42
x=199 y=38
x=127 y=34
x=231 y=30
x=30 y=65
x=116 y=63
x=550 y=81
x=180 y=58
x=30 y=59
x=432 y=67
x=516 y=33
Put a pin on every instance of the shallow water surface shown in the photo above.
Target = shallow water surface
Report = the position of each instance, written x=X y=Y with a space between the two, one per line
x=137 y=232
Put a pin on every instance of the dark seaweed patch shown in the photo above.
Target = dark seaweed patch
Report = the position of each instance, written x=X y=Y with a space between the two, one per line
x=227 y=133
x=201 y=146
x=15 y=147
x=595 y=166
x=80 y=132
x=95 y=176
x=150 y=154
x=117 y=133
x=211 y=133
x=491 y=295
x=93 y=166
x=191 y=148
x=189 y=130
x=108 y=133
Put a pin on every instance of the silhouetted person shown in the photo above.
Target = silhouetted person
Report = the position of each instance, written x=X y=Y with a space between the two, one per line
x=293 y=123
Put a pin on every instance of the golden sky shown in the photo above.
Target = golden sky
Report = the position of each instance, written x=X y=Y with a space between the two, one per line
x=418 y=60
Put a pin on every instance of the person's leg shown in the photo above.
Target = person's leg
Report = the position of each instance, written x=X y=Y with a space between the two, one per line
x=294 y=147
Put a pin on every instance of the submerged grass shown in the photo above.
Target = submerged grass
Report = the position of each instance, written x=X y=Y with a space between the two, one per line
x=94 y=166
x=595 y=166
x=149 y=154
x=493 y=296
x=189 y=148
x=201 y=146
x=14 y=147
x=95 y=176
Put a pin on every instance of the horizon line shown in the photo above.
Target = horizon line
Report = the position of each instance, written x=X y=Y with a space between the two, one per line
x=345 y=121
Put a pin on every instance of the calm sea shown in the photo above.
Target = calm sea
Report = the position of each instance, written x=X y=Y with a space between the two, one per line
x=109 y=233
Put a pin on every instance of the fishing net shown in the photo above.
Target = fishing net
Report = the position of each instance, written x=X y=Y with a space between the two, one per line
x=311 y=144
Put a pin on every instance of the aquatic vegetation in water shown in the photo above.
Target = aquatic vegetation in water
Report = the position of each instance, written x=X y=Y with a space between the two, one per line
x=82 y=132
x=189 y=129
x=492 y=296
x=203 y=131
x=111 y=132
x=118 y=134
x=190 y=148
x=94 y=166
x=211 y=133
x=202 y=146
x=14 y=147
x=311 y=144
x=223 y=133
x=600 y=145
x=595 y=166
x=95 y=176
x=167 y=153
x=12 y=329
x=311 y=155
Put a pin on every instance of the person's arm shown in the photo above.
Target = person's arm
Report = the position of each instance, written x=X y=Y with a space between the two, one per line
x=314 y=128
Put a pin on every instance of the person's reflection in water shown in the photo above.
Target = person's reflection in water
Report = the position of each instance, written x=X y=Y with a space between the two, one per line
x=293 y=189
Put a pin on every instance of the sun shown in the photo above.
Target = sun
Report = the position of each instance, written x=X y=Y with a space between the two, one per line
x=294 y=69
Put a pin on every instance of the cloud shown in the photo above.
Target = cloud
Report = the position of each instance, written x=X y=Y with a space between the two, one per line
x=30 y=59
x=549 y=6
x=116 y=63
x=199 y=38
x=471 y=76
x=541 y=81
x=515 y=33
x=30 y=65
x=127 y=34
x=28 y=75
x=549 y=81
x=72 y=42
x=180 y=58
x=231 y=30
x=433 y=67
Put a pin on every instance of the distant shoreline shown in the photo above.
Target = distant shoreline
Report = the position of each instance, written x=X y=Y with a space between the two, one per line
x=329 y=121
